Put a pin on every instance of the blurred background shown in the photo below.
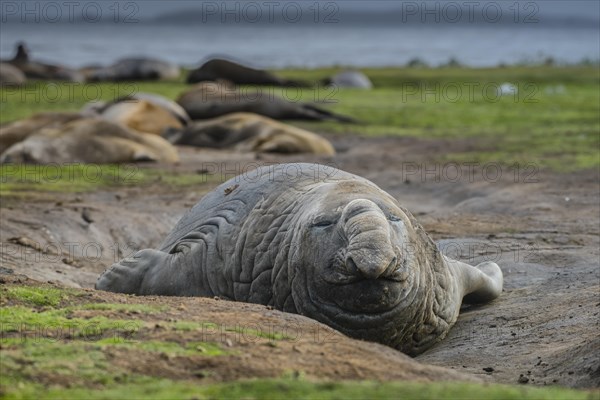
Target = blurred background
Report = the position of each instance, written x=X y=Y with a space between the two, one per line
x=280 y=34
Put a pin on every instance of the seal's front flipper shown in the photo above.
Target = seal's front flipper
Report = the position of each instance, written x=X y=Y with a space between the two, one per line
x=145 y=273
x=126 y=276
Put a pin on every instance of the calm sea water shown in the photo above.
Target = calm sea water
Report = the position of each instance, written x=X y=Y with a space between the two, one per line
x=300 y=45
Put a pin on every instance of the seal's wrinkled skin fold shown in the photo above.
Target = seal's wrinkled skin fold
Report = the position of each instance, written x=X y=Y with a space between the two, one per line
x=313 y=240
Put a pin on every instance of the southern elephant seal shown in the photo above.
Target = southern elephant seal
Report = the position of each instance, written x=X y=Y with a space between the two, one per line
x=38 y=70
x=143 y=112
x=218 y=68
x=11 y=75
x=250 y=132
x=350 y=79
x=89 y=140
x=18 y=131
x=134 y=69
x=317 y=241
x=210 y=100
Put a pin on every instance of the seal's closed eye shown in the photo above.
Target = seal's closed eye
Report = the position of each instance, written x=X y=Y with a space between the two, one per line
x=322 y=223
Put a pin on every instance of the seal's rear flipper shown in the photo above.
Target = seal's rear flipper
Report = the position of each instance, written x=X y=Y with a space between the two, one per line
x=485 y=283
x=319 y=114
x=478 y=284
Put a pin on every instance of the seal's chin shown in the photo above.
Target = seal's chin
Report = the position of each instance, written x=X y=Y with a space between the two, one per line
x=355 y=295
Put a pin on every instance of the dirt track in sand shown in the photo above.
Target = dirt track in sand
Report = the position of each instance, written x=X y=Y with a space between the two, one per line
x=542 y=228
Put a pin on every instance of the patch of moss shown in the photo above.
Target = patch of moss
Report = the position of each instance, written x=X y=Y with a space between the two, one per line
x=132 y=308
x=172 y=348
x=18 y=179
x=37 y=296
x=59 y=324
x=192 y=326
x=302 y=389
x=79 y=363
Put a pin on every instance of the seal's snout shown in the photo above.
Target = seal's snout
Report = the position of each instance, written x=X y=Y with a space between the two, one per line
x=370 y=253
x=370 y=268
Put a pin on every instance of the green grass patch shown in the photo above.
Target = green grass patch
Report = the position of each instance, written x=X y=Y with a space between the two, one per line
x=25 y=363
x=131 y=308
x=74 y=178
x=171 y=348
x=17 y=103
x=59 y=323
x=552 y=119
x=301 y=389
x=51 y=353
x=187 y=326
x=37 y=296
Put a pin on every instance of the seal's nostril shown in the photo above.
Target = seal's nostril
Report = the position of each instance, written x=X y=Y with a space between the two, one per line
x=393 y=264
x=351 y=266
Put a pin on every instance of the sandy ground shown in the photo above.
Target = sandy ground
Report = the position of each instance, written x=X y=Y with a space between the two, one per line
x=542 y=228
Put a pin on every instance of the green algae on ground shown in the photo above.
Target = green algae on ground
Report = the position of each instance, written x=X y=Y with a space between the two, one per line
x=35 y=365
x=25 y=179
x=37 y=296
x=59 y=323
x=168 y=347
x=47 y=353
x=299 y=389
x=131 y=308
x=186 y=326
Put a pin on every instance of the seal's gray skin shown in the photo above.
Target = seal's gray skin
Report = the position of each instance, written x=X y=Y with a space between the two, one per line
x=316 y=241
x=37 y=70
x=350 y=79
x=211 y=100
x=134 y=69
x=218 y=68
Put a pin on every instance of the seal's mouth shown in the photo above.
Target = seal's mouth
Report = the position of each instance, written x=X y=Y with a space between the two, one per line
x=344 y=288
x=342 y=271
x=364 y=303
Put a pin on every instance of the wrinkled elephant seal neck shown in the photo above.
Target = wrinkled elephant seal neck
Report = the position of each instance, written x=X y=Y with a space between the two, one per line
x=370 y=251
